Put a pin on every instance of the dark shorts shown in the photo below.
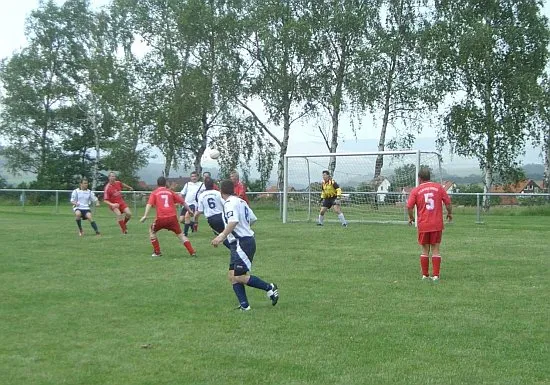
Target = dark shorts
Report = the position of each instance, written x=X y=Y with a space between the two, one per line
x=242 y=253
x=184 y=210
x=169 y=223
x=328 y=202
x=216 y=223
x=83 y=213
x=429 y=238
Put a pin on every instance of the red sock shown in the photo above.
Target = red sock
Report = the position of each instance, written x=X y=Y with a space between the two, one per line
x=425 y=264
x=122 y=225
x=156 y=245
x=436 y=263
x=188 y=246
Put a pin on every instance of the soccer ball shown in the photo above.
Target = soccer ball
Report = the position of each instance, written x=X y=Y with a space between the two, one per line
x=214 y=154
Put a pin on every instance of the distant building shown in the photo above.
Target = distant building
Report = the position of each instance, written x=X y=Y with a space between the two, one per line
x=526 y=186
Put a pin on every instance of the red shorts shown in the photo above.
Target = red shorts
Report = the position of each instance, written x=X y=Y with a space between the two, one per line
x=167 y=223
x=121 y=206
x=430 y=237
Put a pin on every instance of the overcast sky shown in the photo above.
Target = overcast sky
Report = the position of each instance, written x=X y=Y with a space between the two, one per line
x=12 y=38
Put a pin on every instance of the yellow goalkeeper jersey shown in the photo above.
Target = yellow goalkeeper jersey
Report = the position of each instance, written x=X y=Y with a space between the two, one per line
x=330 y=189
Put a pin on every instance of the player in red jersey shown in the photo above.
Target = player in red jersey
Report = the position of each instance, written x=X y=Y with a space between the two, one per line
x=429 y=197
x=239 y=188
x=207 y=174
x=113 y=197
x=165 y=202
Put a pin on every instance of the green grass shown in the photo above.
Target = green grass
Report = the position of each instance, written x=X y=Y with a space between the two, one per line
x=353 y=309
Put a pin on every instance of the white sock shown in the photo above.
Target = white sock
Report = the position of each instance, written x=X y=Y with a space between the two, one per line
x=341 y=218
x=321 y=218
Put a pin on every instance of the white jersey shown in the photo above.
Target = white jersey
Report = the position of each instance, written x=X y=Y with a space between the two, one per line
x=83 y=199
x=210 y=203
x=236 y=210
x=191 y=192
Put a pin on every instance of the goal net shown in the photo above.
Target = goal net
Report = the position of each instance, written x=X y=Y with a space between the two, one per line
x=375 y=185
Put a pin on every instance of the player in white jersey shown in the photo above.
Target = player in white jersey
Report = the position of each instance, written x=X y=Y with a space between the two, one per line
x=238 y=217
x=211 y=205
x=81 y=199
x=190 y=193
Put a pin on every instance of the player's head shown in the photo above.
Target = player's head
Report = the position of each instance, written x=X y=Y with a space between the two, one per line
x=208 y=183
x=84 y=183
x=227 y=187
x=112 y=177
x=194 y=176
x=326 y=175
x=234 y=176
x=161 y=181
x=424 y=174
x=206 y=174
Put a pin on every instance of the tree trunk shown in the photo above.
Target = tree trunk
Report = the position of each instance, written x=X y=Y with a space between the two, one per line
x=546 y=186
x=387 y=105
x=284 y=147
x=97 y=151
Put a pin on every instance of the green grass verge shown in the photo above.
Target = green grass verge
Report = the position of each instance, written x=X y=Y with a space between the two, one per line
x=353 y=309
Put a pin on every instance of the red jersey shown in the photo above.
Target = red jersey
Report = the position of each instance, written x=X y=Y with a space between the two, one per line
x=239 y=189
x=429 y=198
x=165 y=201
x=112 y=192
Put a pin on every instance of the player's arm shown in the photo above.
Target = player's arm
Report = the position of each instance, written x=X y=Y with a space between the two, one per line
x=127 y=186
x=252 y=218
x=146 y=213
x=94 y=199
x=411 y=215
x=448 y=206
x=199 y=211
x=111 y=204
x=223 y=235
x=74 y=198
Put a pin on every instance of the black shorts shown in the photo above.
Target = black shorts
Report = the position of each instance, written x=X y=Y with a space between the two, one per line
x=328 y=202
x=216 y=223
x=242 y=253
x=184 y=210
x=83 y=212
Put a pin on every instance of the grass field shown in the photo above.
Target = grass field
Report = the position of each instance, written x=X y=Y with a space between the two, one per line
x=352 y=307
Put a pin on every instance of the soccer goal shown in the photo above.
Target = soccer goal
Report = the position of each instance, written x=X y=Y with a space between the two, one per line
x=375 y=185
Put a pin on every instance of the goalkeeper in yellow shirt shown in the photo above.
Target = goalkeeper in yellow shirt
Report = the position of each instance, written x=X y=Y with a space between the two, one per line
x=331 y=194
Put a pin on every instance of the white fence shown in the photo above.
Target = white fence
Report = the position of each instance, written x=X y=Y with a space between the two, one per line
x=59 y=200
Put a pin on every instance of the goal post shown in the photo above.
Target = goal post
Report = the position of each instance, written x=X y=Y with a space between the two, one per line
x=375 y=185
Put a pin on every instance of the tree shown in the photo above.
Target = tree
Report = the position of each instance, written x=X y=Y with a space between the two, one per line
x=277 y=68
x=494 y=52
x=35 y=89
x=342 y=30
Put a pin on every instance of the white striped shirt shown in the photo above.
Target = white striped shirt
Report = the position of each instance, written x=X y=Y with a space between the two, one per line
x=210 y=203
x=83 y=199
x=236 y=210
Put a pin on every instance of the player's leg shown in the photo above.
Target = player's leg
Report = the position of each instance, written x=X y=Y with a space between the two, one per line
x=424 y=257
x=238 y=271
x=436 y=257
x=338 y=210
x=186 y=222
x=154 y=239
x=322 y=213
x=78 y=218
x=192 y=225
x=127 y=214
x=92 y=222
x=120 y=219
x=176 y=228
x=246 y=249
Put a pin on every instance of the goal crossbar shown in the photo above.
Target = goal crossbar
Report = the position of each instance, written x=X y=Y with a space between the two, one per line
x=415 y=157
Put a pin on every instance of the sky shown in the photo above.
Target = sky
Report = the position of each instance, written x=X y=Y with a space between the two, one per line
x=305 y=138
